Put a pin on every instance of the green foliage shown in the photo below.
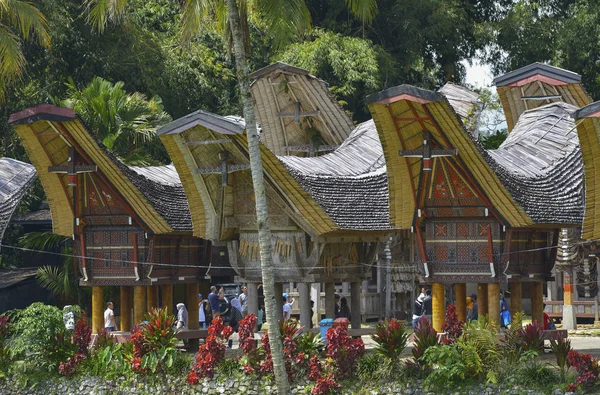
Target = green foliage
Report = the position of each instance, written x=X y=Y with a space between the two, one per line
x=309 y=343
x=447 y=366
x=351 y=66
x=391 y=337
x=560 y=348
x=228 y=367
x=376 y=367
x=482 y=341
x=510 y=346
x=39 y=337
x=493 y=140
x=425 y=337
x=159 y=341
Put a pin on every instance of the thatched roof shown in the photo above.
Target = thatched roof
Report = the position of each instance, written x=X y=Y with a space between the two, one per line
x=295 y=108
x=465 y=102
x=15 y=179
x=48 y=131
x=588 y=131
x=541 y=165
x=536 y=85
x=349 y=183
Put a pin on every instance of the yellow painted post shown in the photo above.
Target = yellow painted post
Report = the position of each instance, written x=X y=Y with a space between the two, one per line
x=97 y=309
x=537 y=302
x=152 y=297
x=125 y=308
x=438 y=305
x=494 y=302
x=461 y=301
x=516 y=298
x=192 y=305
x=139 y=304
x=167 y=297
x=482 y=300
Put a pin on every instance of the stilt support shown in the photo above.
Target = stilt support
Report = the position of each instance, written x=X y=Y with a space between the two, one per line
x=304 y=296
x=482 y=300
x=192 y=305
x=569 y=320
x=438 y=305
x=494 y=302
x=330 y=300
x=97 y=309
x=537 y=302
x=139 y=304
x=252 y=298
x=152 y=297
x=356 y=313
x=461 y=301
x=516 y=298
x=167 y=298
x=125 y=308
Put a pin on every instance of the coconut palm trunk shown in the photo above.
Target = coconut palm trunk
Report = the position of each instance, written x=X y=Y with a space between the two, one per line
x=262 y=212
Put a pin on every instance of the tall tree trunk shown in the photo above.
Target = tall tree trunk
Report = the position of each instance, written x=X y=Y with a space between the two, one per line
x=264 y=232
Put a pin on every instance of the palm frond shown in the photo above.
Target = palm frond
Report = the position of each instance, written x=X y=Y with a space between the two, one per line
x=100 y=12
x=365 y=10
x=195 y=13
x=12 y=60
x=286 y=19
x=27 y=20
x=41 y=241
x=56 y=280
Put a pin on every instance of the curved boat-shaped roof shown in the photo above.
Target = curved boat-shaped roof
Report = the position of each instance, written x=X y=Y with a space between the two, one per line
x=15 y=179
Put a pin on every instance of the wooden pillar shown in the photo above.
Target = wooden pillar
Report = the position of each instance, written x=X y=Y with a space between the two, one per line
x=315 y=295
x=516 y=298
x=278 y=300
x=139 y=304
x=192 y=305
x=97 y=309
x=330 y=300
x=252 y=298
x=438 y=305
x=167 y=298
x=537 y=302
x=482 y=300
x=304 y=296
x=494 y=302
x=461 y=301
x=356 y=313
x=125 y=308
x=152 y=297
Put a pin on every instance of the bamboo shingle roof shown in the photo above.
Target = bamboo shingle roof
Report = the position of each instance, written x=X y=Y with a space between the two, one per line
x=349 y=183
x=465 y=102
x=15 y=179
x=540 y=165
x=588 y=130
x=536 y=85
x=295 y=108
x=48 y=132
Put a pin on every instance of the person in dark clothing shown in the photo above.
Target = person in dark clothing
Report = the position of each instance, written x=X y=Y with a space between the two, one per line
x=344 y=309
x=417 y=311
x=427 y=310
x=475 y=310
x=336 y=309
x=312 y=313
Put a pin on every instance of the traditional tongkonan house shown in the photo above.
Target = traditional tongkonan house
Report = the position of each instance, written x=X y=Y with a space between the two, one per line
x=131 y=226
x=485 y=217
x=326 y=212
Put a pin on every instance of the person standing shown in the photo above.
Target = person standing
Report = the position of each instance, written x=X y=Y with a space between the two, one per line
x=427 y=309
x=182 y=316
x=312 y=313
x=213 y=301
x=417 y=311
x=344 y=309
x=472 y=306
x=109 y=318
x=336 y=309
x=201 y=312
x=244 y=300
x=287 y=307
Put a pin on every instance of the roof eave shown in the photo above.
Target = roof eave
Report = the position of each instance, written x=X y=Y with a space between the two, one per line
x=44 y=112
x=589 y=111
x=554 y=73
x=404 y=92
x=208 y=120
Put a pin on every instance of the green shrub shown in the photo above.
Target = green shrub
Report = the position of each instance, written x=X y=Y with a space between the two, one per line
x=483 y=341
x=309 y=343
x=367 y=367
x=425 y=337
x=228 y=367
x=537 y=375
x=447 y=367
x=39 y=337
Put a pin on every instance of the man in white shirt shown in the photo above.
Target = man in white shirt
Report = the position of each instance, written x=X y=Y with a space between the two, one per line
x=287 y=307
x=109 y=318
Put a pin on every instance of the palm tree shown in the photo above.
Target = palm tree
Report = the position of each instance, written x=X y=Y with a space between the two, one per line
x=125 y=123
x=285 y=19
x=19 y=20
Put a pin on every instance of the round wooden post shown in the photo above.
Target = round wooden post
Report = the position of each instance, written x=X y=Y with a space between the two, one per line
x=330 y=300
x=252 y=298
x=494 y=302
x=461 y=301
x=355 y=300
x=516 y=297
x=537 y=302
x=152 y=299
x=192 y=305
x=304 y=296
x=482 y=300
x=139 y=304
x=125 y=308
x=97 y=309
x=167 y=298
x=438 y=305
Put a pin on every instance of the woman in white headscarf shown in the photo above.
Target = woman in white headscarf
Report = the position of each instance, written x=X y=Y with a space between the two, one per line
x=182 y=316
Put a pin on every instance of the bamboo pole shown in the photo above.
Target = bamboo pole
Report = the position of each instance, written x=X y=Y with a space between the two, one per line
x=438 y=305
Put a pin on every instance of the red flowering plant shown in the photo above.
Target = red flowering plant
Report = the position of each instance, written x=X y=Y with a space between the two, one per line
x=81 y=338
x=425 y=337
x=452 y=326
x=325 y=385
x=248 y=344
x=295 y=362
x=211 y=352
x=391 y=337
x=343 y=350
x=531 y=337
x=588 y=370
